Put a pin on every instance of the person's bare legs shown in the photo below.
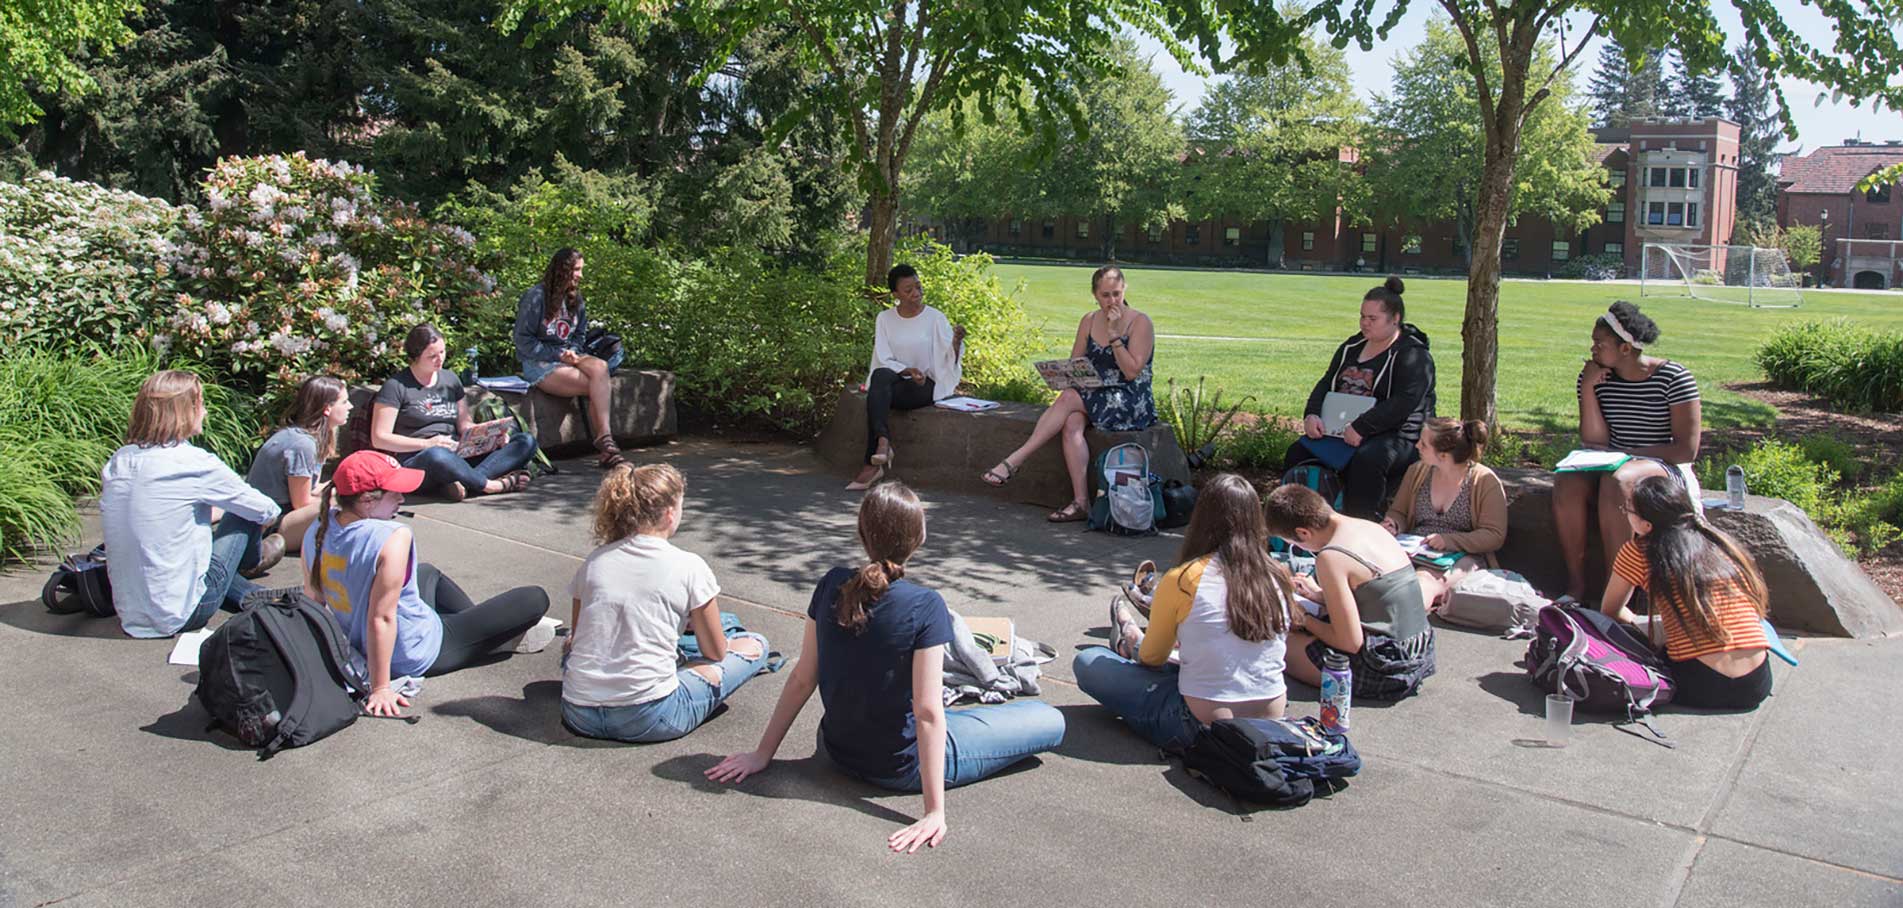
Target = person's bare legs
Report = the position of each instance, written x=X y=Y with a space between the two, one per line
x=1295 y=662
x=1050 y=424
x=1615 y=494
x=295 y=523
x=1573 y=495
x=587 y=378
x=1076 y=455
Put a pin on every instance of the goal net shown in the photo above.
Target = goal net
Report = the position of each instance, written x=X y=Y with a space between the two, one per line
x=1748 y=275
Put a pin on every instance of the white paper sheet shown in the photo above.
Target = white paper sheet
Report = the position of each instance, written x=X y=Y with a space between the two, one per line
x=968 y=404
x=185 y=649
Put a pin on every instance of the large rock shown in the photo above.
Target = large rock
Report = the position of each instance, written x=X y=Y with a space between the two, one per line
x=944 y=449
x=1813 y=586
x=641 y=412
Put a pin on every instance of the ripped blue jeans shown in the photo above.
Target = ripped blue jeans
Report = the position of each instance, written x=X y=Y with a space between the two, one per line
x=672 y=716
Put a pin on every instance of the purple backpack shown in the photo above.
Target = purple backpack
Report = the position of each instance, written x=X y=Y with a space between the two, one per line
x=1599 y=663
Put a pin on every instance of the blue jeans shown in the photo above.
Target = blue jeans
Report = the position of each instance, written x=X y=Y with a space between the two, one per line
x=671 y=716
x=982 y=740
x=234 y=545
x=1146 y=698
x=441 y=466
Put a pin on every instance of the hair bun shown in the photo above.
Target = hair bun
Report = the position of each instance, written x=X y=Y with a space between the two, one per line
x=1395 y=285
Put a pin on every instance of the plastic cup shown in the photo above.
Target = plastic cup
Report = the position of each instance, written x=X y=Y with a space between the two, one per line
x=1559 y=720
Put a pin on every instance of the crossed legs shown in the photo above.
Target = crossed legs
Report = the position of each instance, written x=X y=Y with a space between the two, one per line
x=1066 y=419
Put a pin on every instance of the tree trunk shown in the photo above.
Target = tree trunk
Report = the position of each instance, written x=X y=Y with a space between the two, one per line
x=1109 y=238
x=1480 y=331
x=882 y=233
x=1278 y=238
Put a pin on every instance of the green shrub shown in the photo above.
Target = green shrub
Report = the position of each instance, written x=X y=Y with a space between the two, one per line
x=1198 y=419
x=1598 y=266
x=296 y=267
x=80 y=263
x=1835 y=452
x=1778 y=469
x=1850 y=366
x=1256 y=442
x=1510 y=449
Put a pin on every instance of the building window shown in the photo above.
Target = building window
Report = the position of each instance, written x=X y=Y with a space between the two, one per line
x=1878 y=195
x=1691 y=178
x=1616 y=179
x=1876 y=231
x=1083 y=229
x=1658 y=176
x=1192 y=234
x=1050 y=230
x=1615 y=249
x=1655 y=213
x=1562 y=250
x=1691 y=214
x=1156 y=233
x=1675 y=214
x=1615 y=212
x=1411 y=244
x=1510 y=248
x=1232 y=236
x=1308 y=240
x=1367 y=242
x=1017 y=227
x=1677 y=175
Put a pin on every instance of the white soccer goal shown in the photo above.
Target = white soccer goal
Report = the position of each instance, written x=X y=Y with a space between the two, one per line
x=1750 y=275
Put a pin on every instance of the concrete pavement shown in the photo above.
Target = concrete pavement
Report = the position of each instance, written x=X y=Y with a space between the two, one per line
x=117 y=796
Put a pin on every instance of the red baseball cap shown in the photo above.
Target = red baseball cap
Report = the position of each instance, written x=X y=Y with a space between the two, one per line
x=368 y=470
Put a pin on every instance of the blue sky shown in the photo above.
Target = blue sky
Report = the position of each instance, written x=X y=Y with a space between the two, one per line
x=1828 y=124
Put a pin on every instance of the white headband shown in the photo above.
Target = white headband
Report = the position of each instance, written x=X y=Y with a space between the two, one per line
x=1620 y=330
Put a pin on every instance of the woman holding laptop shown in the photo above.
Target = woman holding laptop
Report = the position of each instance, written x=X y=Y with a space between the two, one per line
x=1365 y=414
x=420 y=418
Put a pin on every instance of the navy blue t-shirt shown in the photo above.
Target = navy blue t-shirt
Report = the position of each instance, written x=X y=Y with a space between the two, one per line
x=865 y=680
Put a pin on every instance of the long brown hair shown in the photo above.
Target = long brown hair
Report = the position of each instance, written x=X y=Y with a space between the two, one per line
x=314 y=397
x=166 y=409
x=1687 y=559
x=558 y=281
x=1228 y=523
x=891 y=528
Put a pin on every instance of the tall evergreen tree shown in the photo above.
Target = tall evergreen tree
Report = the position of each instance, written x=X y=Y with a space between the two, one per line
x=1753 y=106
x=1695 y=94
x=1622 y=92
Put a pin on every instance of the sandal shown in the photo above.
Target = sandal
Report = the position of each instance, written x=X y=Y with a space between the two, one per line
x=996 y=478
x=1070 y=513
x=1120 y=627
x=514 y=482
x=1141 y=587
x=610 y=452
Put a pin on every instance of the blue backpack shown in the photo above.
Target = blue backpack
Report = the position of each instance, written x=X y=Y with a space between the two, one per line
x=1277 y=762
x=1126 y=498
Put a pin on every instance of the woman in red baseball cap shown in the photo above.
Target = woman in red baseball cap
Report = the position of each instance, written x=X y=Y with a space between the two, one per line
x=406 y=618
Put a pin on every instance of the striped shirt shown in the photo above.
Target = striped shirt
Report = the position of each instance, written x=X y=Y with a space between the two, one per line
x=1736 y=615
x=1639 y=413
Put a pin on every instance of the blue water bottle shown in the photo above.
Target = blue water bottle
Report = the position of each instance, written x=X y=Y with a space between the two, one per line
x=1337 y=688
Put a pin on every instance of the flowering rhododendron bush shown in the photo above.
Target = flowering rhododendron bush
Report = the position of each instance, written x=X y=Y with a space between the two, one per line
x=79 y=263
x=296 y=267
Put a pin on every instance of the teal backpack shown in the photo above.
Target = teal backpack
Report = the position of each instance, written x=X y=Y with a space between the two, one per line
x=493 y=407
x=1126 y=498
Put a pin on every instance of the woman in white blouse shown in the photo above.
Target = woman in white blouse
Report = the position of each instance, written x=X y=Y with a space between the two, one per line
x=915 y=363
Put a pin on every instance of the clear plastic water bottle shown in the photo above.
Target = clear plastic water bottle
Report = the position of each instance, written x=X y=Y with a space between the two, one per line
x=1337 y=687
x=1734 y=486
x=475 y=374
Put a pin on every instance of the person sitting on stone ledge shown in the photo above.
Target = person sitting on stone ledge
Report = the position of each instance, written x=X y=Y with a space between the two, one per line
x=915 y=363
x=287 y=469
x=171 y=568
x=1121 y=343
x=621 y=679
x=551 y=336
x=1388 y=368
x=404 y=617
x=1641 y=405
x=1372 y=609
x=420 y=416
x=1224 y=607
x=874 y=648
x=1705 y=591
x=1452 y=500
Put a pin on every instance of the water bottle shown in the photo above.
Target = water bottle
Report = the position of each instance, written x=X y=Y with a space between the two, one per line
x=475 y=374
x=1337 y=686
x=1734 y=486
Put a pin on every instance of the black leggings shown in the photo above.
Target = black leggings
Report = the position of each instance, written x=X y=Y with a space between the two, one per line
x=1700 y=686
x=1374 y=468
x=885 y=393
x=471 y=630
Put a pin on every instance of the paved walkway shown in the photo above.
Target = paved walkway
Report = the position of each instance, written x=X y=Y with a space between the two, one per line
x=115 y=794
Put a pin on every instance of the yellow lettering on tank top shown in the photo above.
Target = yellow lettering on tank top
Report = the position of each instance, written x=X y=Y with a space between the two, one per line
x=335 y=592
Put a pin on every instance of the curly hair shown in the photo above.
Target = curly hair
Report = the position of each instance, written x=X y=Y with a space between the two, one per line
x=635 y=499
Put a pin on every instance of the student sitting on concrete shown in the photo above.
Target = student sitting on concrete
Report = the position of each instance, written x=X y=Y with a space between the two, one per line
x=406 y=619
x=1642 y=405
x=1372 y=608
x=633 y=597
x=551 y=333
x=419 y=417
x=170 y=569
x=1225 y=606
x=1705 y=591
x=290 y=465
x=874 y=648
x=915 y=362
x=1453 y=501
x=1120 y=343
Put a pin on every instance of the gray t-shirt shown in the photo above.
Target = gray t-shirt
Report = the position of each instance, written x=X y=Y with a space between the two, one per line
x=289 y=452
x=423 y=412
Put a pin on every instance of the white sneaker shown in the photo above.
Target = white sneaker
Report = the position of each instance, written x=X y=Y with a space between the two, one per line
x=537 y=638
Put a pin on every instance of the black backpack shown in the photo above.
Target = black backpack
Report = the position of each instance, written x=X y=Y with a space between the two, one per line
x=1277 y=762
x=80 y=584
x=279 y=674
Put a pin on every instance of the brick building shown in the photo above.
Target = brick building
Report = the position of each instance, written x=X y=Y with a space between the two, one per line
x=1860 y=228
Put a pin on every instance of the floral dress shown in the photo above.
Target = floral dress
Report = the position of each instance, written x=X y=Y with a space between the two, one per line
x=1121 y=405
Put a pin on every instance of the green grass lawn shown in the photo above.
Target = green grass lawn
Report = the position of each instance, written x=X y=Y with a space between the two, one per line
x=1288 y=325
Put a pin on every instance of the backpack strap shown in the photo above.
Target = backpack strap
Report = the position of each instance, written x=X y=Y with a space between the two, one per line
x=267 y=620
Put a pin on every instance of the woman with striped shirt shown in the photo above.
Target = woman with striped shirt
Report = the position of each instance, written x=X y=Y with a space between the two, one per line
x=1706 y=593
x=1642 y=405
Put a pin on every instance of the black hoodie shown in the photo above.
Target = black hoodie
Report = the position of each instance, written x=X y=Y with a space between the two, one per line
x=1403 y=385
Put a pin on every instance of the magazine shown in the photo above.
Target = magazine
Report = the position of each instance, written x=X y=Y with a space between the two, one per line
x=1066 y=374
x=485 y=437
x=1416 y=548
x=1585 y=460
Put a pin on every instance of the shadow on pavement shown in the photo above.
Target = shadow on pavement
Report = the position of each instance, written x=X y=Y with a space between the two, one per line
x=810 y=779
x=1094 y=733
x=191 y=723
x=30 y=615
x=534 y=716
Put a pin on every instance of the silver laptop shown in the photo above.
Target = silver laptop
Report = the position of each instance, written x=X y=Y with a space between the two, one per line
x=1338 y=410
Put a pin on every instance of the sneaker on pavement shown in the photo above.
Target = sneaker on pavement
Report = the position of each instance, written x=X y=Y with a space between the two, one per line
x=537 y=638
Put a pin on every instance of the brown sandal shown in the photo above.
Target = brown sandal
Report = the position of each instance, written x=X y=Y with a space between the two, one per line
x=610 y=452
x=1070 y=513
x=515 y=482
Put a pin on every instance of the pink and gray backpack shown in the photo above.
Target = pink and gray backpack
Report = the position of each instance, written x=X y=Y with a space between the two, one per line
x=1600 y=664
